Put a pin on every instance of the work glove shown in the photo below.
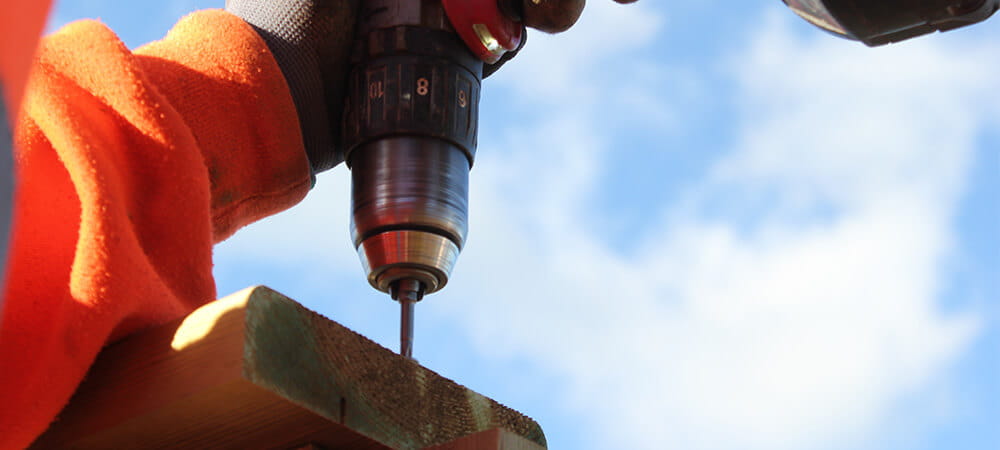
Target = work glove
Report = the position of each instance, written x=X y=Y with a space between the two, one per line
x=311 y=41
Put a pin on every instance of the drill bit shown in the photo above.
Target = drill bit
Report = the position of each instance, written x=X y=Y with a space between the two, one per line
x=406 y=328
x=407 y=292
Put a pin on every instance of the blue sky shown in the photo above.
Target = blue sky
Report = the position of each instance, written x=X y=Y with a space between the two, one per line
x=701 y=225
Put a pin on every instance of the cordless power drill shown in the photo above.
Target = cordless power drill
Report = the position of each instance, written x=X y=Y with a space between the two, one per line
x=410 y=130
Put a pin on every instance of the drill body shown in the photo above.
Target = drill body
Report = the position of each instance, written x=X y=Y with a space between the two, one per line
x=410 y=131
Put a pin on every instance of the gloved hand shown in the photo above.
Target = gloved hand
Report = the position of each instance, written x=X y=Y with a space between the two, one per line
x=311 y=40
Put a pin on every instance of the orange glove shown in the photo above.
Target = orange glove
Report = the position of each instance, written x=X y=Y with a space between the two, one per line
x=130 y=166
x=22 y=23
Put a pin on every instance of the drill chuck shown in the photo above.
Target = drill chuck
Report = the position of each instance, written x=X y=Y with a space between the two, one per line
x=410 y=209
x=410 y=129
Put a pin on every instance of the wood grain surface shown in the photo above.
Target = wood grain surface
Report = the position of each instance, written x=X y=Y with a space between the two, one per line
x=258 y=370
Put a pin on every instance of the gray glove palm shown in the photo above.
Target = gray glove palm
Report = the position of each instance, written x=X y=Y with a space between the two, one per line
x=311 y=40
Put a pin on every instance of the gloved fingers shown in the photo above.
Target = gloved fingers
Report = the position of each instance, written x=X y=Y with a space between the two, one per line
x=551 y=16
x=311 y=41
x=334 y=50
x=490 y=69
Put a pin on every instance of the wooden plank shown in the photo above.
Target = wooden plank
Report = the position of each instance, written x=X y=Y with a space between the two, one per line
x=257 y=370
x=495 y=439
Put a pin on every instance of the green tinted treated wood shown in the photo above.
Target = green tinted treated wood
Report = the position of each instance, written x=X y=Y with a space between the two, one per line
x=258 y=370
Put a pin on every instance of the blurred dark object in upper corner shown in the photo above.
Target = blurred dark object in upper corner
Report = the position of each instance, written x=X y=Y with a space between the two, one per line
x=880 y=22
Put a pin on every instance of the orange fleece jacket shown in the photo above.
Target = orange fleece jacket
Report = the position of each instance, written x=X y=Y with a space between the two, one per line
x=130 y=165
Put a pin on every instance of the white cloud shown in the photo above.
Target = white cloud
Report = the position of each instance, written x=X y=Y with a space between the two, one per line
x=853 y=124
x=787 y=336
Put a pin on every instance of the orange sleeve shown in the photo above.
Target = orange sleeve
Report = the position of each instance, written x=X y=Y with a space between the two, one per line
x=22 y=22
x=130 y=166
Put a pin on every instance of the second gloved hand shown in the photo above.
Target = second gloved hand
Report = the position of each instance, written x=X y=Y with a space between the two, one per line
x=311 y=41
